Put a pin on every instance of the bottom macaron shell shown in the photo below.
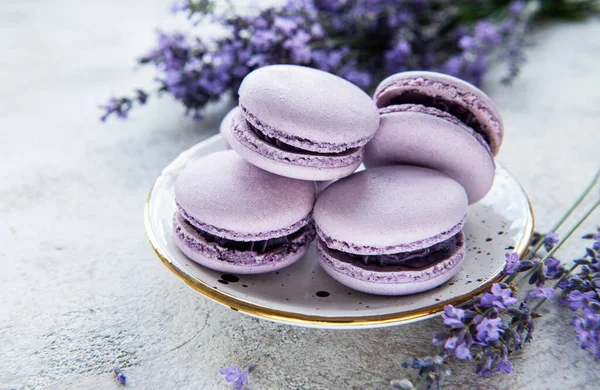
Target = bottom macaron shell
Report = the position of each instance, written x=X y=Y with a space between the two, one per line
x=287 y=169
x=207 y=254
x=396 y=282
x=226 y=123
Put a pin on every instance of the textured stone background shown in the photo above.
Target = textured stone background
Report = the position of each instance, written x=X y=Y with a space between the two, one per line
x=81 y=288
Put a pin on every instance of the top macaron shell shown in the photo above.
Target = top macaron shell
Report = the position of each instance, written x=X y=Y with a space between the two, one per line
x=308 y=108
x=234 y=199
x=427 y=137
x=447 y=87
x=390 y=209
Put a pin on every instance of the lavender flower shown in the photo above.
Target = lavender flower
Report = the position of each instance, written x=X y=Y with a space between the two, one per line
x=517 y=7
x=119 y=375
x=485 y=370
x=505 y=365
x=554 y=268
x=453 y=317
x=541 y=292
x=550 y=240
x=512 y=263
x=362 y=41
x=500 y=297
x=237 y=377
x=463 y=352
x=588 y=331
x=489 y=330
x=580 y=300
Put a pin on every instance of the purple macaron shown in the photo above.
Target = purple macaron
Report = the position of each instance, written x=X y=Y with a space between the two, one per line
x=392 y=230
x=440 y=122
x=302 y=123
x=234 y=217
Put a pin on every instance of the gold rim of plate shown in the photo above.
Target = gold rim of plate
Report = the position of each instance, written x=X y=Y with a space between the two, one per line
x=272 y=314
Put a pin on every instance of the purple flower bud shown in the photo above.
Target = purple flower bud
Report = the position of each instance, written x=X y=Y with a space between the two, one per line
x=440 y=339
x=554 y=269
x=466 y=42
x=487 y=33
x=462 y=351
x=395 y=57
x=235 y=376
x=498 y=297
x=316 y=30
x=485 y=370
x=119 y=375
x=540 y=292
x=453 y=317
x=550 y=240
x=578 y=300
x=512 y=263
x=263 y=39
x=451 y=343
x=285 y=25
x=489 y=329
x=517 y=7
x=505 y=365
x=454 y=65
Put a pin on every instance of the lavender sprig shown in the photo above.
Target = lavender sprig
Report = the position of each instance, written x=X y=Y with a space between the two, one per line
x=121 y=106
x=491 y=327
x=361 y=41
x=237 y=377
x=120 y=375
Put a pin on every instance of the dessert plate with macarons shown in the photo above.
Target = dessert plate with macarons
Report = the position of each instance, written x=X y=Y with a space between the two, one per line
x=317 y=205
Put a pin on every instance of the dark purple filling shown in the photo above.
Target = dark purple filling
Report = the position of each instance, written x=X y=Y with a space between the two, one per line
x=259 y=247
x=416 y=259
x=290 y=148
x=461 y=113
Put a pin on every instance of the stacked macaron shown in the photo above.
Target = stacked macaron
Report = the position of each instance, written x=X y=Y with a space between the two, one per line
x=428 y=142
x=302 y=123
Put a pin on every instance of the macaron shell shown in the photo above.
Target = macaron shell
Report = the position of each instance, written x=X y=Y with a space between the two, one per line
x=389 y=210
x=286 y=163
x=240 y=201
x=422 y=139
x=196 y=248
x=397 y=283
x=226 y=124
x=450 y=88
x=308 y=108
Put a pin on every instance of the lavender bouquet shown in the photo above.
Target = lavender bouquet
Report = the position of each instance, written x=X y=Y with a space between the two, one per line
x=362 y=41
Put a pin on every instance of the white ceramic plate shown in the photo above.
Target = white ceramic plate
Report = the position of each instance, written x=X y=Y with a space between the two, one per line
x=303 y=294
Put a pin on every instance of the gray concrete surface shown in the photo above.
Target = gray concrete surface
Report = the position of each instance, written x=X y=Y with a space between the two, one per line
x=80 y=287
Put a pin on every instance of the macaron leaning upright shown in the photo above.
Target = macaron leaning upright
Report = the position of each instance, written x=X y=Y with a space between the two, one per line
x=440 y=122
x=391 y=230
x=234 y=217
x=302 y=123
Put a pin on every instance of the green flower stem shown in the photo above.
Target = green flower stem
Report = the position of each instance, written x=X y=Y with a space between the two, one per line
x=560 y=243
x=558 y=224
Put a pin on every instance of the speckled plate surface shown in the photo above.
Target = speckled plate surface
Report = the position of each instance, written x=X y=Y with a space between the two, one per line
x=303 y=294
